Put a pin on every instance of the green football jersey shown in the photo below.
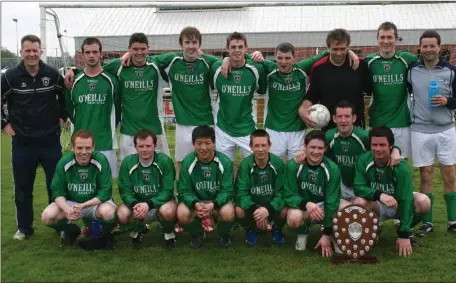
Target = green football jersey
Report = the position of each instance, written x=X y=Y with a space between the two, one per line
x=140 y=96
x=153 y=184
x=211 y=181
x=82 y=183
x=285 y=94
x=305 y=183
x=235 y=95
x=190 y=84
x=93 y=104
x=260 y=186
x=372 y=180
x=389 y=100
x=345 y=151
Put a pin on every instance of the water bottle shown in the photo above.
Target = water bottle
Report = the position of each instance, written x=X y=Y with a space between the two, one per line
x=433 y=91
x=95 y=229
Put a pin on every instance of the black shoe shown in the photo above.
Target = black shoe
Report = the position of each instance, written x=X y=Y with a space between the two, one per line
x=69 y=238
x=414 y=243
x=425 y=230
x=110 y=241
x=224 y=241
x=136 y=241
x=196 y=242
x=452 y=228
x=170 y=243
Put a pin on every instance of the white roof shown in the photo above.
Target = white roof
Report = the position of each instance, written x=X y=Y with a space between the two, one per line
x=152 y=21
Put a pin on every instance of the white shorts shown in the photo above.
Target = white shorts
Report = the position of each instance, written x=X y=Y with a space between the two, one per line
x=184 y=144
x=286 y=143
x=402 y=138
x=347 y=193
x=425 y=147
x=227 y=144
x=87 y=212
x=388 y=212
x=127 y=145
x=112 y=158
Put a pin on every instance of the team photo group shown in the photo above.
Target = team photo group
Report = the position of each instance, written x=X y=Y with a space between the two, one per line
x=301 y=169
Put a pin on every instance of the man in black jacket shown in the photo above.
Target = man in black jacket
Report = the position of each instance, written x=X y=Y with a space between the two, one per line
x=33 y=93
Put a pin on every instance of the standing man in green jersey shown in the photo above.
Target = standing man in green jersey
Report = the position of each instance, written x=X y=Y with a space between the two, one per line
x=93 y=102
x=259 y=191
x=388 y=191
x=140 y=96
x=388 y=69
x=312 y=191
x=146 y=186
x=235 y=94
x=81 y=188
x=205 y=189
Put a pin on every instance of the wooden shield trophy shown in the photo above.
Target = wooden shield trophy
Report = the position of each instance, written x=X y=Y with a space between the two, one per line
x=356 y=231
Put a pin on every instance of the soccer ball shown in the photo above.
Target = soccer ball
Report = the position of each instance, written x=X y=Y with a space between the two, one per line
x=320 y=115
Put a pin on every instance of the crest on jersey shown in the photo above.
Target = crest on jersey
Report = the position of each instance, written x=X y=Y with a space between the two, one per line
x=45 y=80
x=146 y=176
x=190 y=68
x=313 y=178
x=378 y=175
x=83 y=175
x=287 y=79
x=263 y=178
x=207 y=173
x=237 y=77
x=345 y=148
x=92 y=86
x=386 y=67
x=139 y=73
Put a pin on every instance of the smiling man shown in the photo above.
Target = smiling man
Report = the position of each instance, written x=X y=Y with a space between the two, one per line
x=33 y=93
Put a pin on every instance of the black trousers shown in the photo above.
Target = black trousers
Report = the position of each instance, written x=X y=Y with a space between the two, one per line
x=27 y=154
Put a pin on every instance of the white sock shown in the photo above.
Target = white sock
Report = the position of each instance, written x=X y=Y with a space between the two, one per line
x=169 y=236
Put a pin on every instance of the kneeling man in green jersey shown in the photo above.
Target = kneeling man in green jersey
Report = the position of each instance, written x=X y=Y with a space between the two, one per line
x=146 y=186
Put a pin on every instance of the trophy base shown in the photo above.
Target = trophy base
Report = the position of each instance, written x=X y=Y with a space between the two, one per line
x=339 y=259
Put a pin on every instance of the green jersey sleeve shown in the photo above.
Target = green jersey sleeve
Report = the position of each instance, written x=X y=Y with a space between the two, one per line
x=291 y=195
x=404 y=198
x=262 y=82
x=269 y=65
x=105 y=182
x=167 y=181
x=243 y=196
x=162 y=60
x=185 y=187
x=226 y=192
x=408 y=57
x=127 y=194
x=277 y=201
x=361 y=186
x=116 y=101
x=307 y=63
x=59 y=184
x=210 y=59
x=112 y=67
x=332 y=199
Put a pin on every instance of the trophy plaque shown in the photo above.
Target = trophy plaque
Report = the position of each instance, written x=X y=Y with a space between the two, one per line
x=356 y=231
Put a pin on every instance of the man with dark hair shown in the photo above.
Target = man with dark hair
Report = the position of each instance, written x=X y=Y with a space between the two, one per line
x=259 y=191
x=146 y=186
x=433 y=132
x=312 y=191
x=82 y=188
x=35 y=109
x=388 y=69
x=388 y=191
x=93 y=102
x=234 y=118
x=140 y=96
x=206 y=188
x=332 y=79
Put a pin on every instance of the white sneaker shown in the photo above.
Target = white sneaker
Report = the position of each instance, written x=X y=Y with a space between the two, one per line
x=337 y=250
x=19 y=236
x=301 y=242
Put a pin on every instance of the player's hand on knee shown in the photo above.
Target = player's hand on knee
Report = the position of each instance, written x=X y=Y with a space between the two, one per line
x=388 y=200
x=69 y=79
x=316 y=213
x=262 y=225
x=9 y=130
x=257 y=56
x=325 y=243
x=404 y=247
x=300 y=157
x=126 y=59
x=260 y=214
x=200 y=211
